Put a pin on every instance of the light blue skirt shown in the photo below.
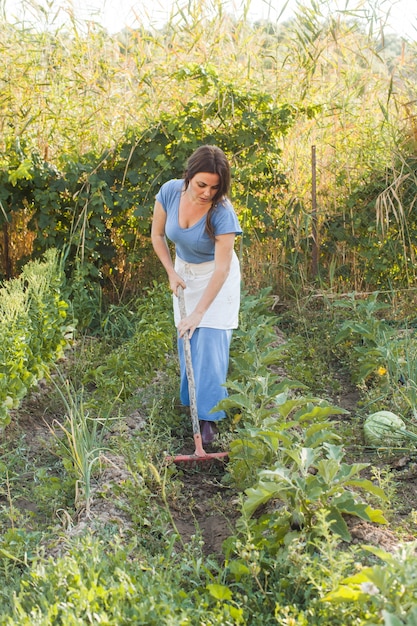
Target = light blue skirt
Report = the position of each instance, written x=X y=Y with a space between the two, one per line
x=210 y=358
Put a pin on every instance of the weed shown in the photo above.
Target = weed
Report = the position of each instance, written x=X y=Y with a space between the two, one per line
x=384 y=478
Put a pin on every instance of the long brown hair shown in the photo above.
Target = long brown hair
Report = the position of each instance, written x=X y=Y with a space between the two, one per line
x=211 y=160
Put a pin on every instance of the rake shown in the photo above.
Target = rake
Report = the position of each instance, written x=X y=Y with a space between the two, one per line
x=199 y=454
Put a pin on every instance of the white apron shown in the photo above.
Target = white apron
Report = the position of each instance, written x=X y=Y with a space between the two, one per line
x=223 y=312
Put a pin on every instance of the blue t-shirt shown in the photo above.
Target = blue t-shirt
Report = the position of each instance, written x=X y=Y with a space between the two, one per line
x=193 y=245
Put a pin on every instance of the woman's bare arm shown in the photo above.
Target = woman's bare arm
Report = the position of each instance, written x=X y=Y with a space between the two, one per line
x=160 y=246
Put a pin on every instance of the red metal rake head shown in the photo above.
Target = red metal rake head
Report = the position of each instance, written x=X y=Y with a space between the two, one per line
x=199 y=454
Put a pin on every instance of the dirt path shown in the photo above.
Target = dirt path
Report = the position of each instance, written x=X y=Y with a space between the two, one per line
x=207 y=507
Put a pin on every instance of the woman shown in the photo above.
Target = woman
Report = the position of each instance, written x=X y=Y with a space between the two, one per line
x=196 y=214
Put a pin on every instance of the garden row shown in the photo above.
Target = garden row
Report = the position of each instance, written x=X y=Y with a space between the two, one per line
x=33 y=329
x=289 y=556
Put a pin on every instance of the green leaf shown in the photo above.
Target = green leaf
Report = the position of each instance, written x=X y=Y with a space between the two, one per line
x=347 y=504
x=369 y=487
x=279 y=473
x=235 y=613
x=219 y=592
x=334 y=452
x=247 y=450
x=23 y=171
x=303 y=457
x=339 y=526
x=328 y=469
x=318 y=412
x=259 y=495
x=346 y=471
x=237 y=400
x=238 y=569
x=307 y=458
x=318 y=428
x=387 y=557
x=343 y=594
x=375 y=515
x=363 y=576
x=273 y=439
x=314 y=488
x=272 y=356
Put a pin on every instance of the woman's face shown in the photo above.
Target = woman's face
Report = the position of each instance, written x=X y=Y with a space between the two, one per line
x=203 y=187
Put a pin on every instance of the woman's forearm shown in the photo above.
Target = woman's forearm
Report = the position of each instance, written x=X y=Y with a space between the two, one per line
x=160 y=246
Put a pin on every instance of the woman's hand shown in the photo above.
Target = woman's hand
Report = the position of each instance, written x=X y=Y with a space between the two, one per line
x=189 y=324
x=175 y=281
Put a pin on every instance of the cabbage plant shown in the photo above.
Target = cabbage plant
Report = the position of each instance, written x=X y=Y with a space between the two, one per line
x=384 y=429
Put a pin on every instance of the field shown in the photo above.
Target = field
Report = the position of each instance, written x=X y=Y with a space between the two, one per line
x=91 y=509
x=312 y=518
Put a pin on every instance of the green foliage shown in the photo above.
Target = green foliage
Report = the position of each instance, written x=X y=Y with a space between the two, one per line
x=253 y=349
x=370 y=337
x=33 y=331
x=85 y=297
x=387 y=589
x=123 y=112
x=315 y=480
x=270 y=417
x=102 y=121
x=248 y=127
x=298 y=490
x=382 y=230
x=290 y=545
x=100 y=200
x=97 y=583
x=80 y=440
x=288 y=421
x=290 y=583
x=134 y=362
x=381 y=355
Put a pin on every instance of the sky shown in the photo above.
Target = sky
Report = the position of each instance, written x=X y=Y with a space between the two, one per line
x=114 y=15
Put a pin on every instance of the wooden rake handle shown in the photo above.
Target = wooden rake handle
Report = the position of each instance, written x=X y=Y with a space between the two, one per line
x=189 y=366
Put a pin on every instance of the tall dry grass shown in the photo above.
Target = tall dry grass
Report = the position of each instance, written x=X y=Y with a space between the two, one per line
x=73 y=88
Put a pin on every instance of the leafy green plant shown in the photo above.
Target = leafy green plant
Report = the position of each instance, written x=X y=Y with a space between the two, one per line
x=253 y=347
x=81 y=174
x=33 y=329
x=369 y=336
x=290 y=581
x=85 y=297
x=308 y=353
x=135 y=360
x=286 y=422
x=399 y=380
x=120 y=584
x=317 y=479
x=387 y=590
x=270 y=417
x=382 y=355
x=286 y=450
x=18 y=549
